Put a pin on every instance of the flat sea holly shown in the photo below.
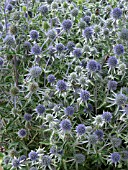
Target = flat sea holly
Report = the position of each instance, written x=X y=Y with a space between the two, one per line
x=64 y=84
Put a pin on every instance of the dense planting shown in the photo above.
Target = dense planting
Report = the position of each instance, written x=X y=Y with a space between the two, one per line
x=64 y=84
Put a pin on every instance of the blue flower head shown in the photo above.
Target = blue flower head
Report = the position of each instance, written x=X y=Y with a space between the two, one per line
x=22 y=158
x=77 y=52
x=112 y=85
x=67 y=24
x=74 y=12
x=34 y=34
x=61 y=85
x=59 y=47
x=45 y=160
x=80 y=129
x=36 y=50
x=70 y=46
x=99 y=133
x=115 y=157
x=88 y=32
x=40 y=109
x=119 y=49
x=9 y=7
x=15 y=163
x=112 y=62
x=69 y=111
x=87 y=19
x=43 y=9
x=51 y=34
x=35 y=71
x=9 y=40
x=22 y=133
x=33 y=156
x=65 y=125
x=51 y=78
x=117 y=13
x=84 y=95
x=27 y=45
x=124 y=34
x=107 y=116
x=120 y=99
x=28 y=117
x=92 y=65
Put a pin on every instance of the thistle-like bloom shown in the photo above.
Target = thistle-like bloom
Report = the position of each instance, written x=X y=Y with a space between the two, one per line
x=115 y=157
x=9 y=40
x=51 y=78
x=87 y=19
x=99 y=133
x=9 y=7
x=67 y=24
x=35 y=71
x=34 y=34
x=51 y=34
x=92 y=65
x=22 y=158
x=60 y=47
x=40 y=109
x=70 y=46
x=61 y=86
x=88 y=32
x=119 y=49
x=124 y=34
x=120 y=99
x=74 y=12
x=84 y=95
x=107 y=116
x=65 y=125
x=36 y=50
x=80 y=129
x=15 y=163
x=69 y=111
x=116 y=142
x=33 y=156
x=117 y=13
x=77 y=52
x=45 y=160
x=28 y=117
x=79 y=158
x=27 y=45
x=51 y=50
x=43 y=9
x=22 y=133
x=112 y=62
x=112 y=85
